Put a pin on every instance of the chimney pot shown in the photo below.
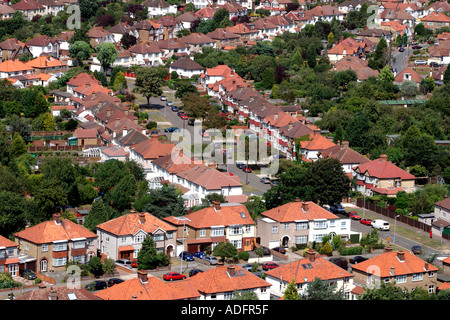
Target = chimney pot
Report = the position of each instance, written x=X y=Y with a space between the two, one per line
x=401 y=255
x=383 y=157
x=388 y=249
x=142 y=217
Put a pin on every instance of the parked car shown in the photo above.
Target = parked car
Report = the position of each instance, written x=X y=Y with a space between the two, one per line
x=172 y=129
x=420 y=62
x=191 y=121
x=204 y=133
x=134 y=264
x=163 y=98
x=169 y=103
x=199 y=255
x=247 y=266
x=212 y=260
x=124 y=263
x=337 y=208
x=266 y=251
x=27 y=274
x=183 y=116
x=416 y=47
x=401 y=49
x=96 y=285
x=193 y=272
x=279 y=249
x=170 y=276
x=274 y=182
x=265 y=180
x=114 y=281
x=353 y=215
x=246 y=168
x=269 y=266
x=416 y=249
x=186 y=256
x=434 y=64
x=174 y=108
x=366 y=221
x=381 y=224
x=239 y=165
x=357 y=259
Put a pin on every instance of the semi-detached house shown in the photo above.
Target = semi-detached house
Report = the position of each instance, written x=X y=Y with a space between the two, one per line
x=122 y=238
x=56 y=242
x=210 y=226
x=299 y=222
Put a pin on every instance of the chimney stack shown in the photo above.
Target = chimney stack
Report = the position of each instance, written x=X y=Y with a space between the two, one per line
x=216 y=205
x=392 y=271
x=141 y=217
x=383 y=157
x=305 y=206
x=117 y=121
x=310 y=255
x=231 y=271
x=388 y=249
x=57 y=218
x=142 y=275
x=124 y=131
x=345 y=143
x=53 y=294
x=401 y=255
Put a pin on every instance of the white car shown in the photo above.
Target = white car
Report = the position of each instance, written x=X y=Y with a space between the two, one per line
x=163 y=98
x=124 y=263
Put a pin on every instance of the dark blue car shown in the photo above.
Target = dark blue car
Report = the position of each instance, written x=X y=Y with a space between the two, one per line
x=199 y=255
x=186 y=256
x=172 y=129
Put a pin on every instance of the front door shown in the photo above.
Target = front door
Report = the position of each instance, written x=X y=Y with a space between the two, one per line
x=13 y=268
x=43 y=265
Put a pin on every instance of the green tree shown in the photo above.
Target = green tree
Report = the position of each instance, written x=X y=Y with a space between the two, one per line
x=17 y=147
x=120 y=82
x=48 y=122
x=322 y=290
x=311 y=56
x=148 y=83
x=13 y=213
x=148 y=258
x=100 y=212
x=41 y=105
x=123 y=193
x=80 y=50
x=164 y=202
x=386 y=74
x=386 y=291
x=291 y=292
x=88 y=8
x=447 y=76
x=95 y=266
x=106 y=54
x=108 y=175
x=328 y=181
x=225 y=250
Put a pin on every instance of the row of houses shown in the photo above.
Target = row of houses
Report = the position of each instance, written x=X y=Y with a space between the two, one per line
x=49 y=245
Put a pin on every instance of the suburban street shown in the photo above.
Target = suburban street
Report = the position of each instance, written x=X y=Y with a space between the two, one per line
x=161 y=111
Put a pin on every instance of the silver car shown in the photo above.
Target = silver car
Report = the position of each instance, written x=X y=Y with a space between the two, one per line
x=211 y=259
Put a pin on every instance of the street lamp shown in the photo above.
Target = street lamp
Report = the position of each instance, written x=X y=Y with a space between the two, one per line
x=184 y=230
x=395 y=225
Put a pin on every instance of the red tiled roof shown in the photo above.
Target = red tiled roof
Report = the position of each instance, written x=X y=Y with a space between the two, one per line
x=130 y=224
x=384 y=263
x=294 y=211
x=49 y=231
x=315 y=268
x=383 y=169
x=207 y=217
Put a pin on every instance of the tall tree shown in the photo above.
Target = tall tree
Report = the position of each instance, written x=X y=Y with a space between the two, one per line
x=17 y=147
x=328 y=181
x=164 y=202
x=148 y=83
x=80 y=50
x=148 y=258
x=106 y=54
x=322 y=290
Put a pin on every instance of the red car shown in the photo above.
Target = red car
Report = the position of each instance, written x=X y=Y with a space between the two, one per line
x=353 y=215
x=269 y=266
x=134 y=263
x=170 y=276
x=246 y=169
x=367 y=222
